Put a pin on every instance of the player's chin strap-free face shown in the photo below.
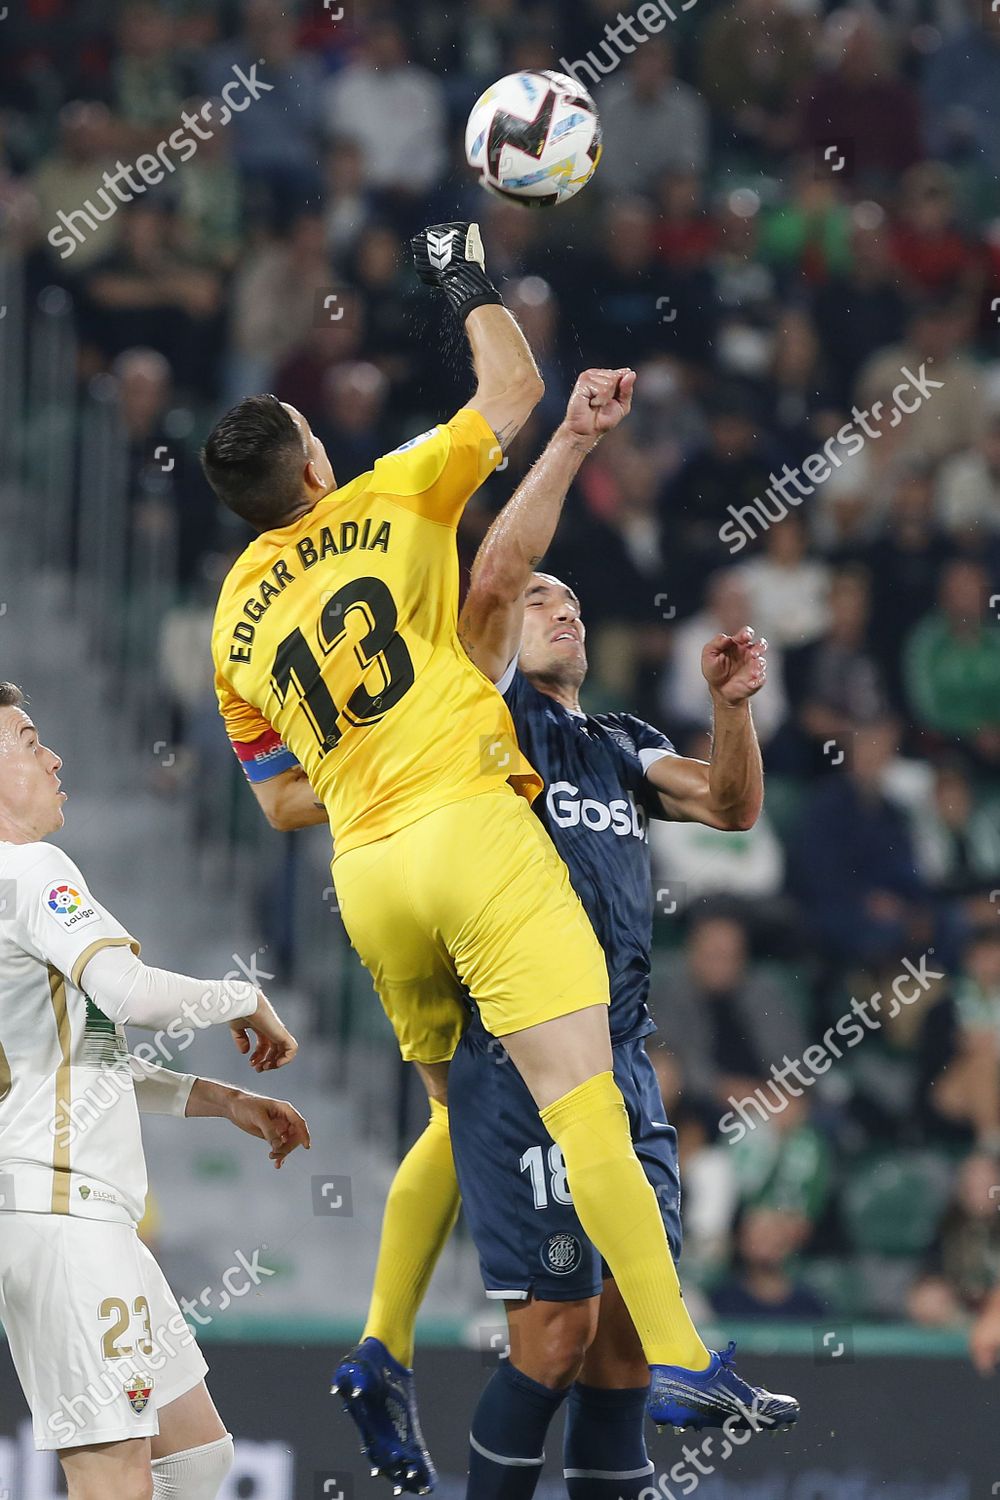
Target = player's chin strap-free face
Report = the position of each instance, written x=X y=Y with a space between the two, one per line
x=451 y=257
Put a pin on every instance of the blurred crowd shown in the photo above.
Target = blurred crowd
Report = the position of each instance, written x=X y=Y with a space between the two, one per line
x=797 y=210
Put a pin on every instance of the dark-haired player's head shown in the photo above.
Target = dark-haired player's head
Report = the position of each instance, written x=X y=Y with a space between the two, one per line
x=30 y=799
x=265 y=463
x=553 y=651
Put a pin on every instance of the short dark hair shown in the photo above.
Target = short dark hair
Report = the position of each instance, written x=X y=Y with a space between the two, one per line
x=11 y=695
x=253 y=459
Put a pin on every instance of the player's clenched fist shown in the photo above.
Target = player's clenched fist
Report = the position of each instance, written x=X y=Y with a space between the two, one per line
x=451 y=257
x=275 y=1044
x=600 y=400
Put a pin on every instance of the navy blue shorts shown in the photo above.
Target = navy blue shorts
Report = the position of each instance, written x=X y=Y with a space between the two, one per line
x=513 y=1179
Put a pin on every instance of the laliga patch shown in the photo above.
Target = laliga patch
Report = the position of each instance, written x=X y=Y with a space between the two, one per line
x=413 y=443
x=138 y=1390
x=69 y=906
x=561 y=1254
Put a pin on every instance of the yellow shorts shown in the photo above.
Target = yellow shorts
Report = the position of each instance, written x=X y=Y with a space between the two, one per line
x=471 y=899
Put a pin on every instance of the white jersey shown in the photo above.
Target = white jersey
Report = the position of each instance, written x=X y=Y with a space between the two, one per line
x=69 y=1123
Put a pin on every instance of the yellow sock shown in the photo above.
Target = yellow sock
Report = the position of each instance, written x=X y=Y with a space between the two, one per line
x=618 y=1209
x=420 y=1213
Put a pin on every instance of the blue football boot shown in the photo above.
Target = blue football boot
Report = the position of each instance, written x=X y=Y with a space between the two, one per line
x=379 y=1398
x=682 y=1398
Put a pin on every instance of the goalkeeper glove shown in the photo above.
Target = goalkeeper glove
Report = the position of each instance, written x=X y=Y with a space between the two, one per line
x=451 y=257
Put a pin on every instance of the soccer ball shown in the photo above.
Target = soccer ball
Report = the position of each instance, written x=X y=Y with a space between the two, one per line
x=535 y=137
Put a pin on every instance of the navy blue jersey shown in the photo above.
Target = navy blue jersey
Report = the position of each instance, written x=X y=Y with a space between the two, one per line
x=596 y=806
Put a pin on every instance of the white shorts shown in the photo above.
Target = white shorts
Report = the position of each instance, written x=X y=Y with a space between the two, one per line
x=98 y=1341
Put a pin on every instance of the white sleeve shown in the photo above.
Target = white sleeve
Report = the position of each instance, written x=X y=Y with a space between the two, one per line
x=130 y=993
x=56 y=916
x=649 y=757
x=503 y=682
x=160 y=1091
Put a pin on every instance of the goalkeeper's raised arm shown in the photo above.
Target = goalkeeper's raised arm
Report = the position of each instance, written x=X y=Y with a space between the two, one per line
x=451 y=258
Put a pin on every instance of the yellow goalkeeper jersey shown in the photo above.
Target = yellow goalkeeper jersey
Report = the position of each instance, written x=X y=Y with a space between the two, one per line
x=335 y=643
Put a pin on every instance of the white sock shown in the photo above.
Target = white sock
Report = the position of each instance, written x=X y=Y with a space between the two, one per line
x=195 y=1474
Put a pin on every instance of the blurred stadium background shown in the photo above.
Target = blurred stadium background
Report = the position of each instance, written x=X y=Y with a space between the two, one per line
x=793 y=205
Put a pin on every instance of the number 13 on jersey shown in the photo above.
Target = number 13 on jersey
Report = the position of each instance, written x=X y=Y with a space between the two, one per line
x=379 y=651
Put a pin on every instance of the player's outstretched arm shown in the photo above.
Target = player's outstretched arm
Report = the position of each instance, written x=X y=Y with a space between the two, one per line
x=272 y=1120
x=728 y=791
x=129 y=992
x=161 y=1091
x=490 y=623
x=450 y=257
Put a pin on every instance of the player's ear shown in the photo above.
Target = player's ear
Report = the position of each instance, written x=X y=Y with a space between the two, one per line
x=312 y=478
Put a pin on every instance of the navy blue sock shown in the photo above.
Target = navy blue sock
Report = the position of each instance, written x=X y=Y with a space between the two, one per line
x=507 y=1441
x=604 y=1452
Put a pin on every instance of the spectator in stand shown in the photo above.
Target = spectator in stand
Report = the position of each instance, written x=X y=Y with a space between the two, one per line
x=167 y=495
x=619 y=295
x=612 y=553
x=472 y=44
x=934 y=257
x=351 y=417
x=744 y=289
x=150 y=291
x=959 y=1091
x=533 y=304
x=807 y=235
x=952 y=664
x=347 y=205
x=957 y=842
x=964 y=1263
x=860 y=309
x=961 y=93
x=300 y=379
x=275 y=138
x=851 y=860
x=859 y=104
x=149 y=82
x=697 y=863
x=394 y=110
x=687 y=233
x=754 y=59
x=788 y=591
x=653 y=123
x=968 y=489
x=208 y=195
x=783 y=1163
x=277 y=297
x=760 y=1285
x=796 y=397
x=878 y=1079
x=906 y=559
x=730 y=469
x=379 y=270
x=72 y=176
x=952 y=414
x=725 y=1021
x=834 y=683
x=513 y=237
x=726 y=610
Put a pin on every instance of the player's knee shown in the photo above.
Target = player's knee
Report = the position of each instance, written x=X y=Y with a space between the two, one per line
x=555 y=1353
x=196 y=1474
